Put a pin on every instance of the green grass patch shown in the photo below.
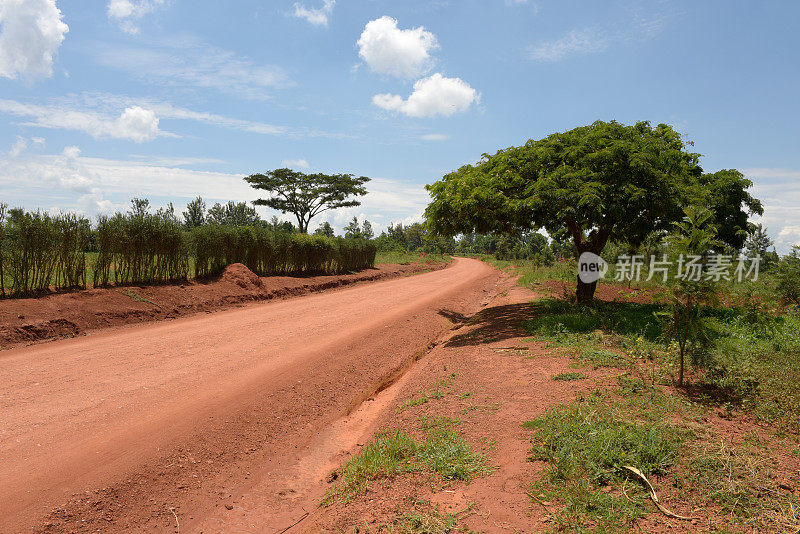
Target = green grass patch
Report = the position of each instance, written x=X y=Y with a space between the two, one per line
x=443 y=453
x=532 y=273
x=585 y=446
x=560 y=320
x=386 y=456
x=600 y=357
x=566 y=377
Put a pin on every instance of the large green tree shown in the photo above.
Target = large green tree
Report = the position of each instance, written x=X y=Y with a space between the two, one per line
x=601 y=182
x=307 y=195
x=725 y=194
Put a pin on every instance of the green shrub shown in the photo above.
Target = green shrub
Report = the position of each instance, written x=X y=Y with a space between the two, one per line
x=266 y=252
x=140 y=249
x=41 y=251
x=788 y=277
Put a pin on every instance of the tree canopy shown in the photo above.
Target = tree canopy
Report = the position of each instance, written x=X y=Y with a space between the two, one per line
x=601 y=182
x=726 y=196
x=307 y=195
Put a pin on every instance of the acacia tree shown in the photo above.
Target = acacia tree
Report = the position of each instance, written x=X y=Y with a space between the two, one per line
x=601 y=182
x=307 y=195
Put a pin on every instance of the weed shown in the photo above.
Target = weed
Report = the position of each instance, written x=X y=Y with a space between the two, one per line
x=137 y=297
x=424 y=518
x=442 y=453
x=602 y=358
x=565 y=377
x=585 y=446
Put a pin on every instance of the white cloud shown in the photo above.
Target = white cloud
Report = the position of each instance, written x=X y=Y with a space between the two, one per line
x=778 y=190
x=315 y=16
x=75 y=182
x=128 y=12
x=31 y=31
x=389 y=50
x=134 y=123
x=187 y=62
x=432 y=96
x=576 y=42
x=71 y=152
x=22 y=144
x=19 y=146
x=292 y=163
x=637 y=24
x=434 y=137
x=109 y=115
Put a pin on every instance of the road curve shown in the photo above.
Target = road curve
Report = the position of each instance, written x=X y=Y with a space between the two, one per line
x=133 y=428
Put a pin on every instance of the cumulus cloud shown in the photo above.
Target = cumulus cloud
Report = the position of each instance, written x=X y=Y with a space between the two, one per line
x=389 y=50
x=295 y=163
x=134 y=123
x=187 y=62
x=778 y=190
x=432 y=96
x=128 y=12
x=31 y=31
x=316 y=16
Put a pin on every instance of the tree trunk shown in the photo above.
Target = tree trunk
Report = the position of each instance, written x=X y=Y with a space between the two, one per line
x=585 y=292
x=594 y=243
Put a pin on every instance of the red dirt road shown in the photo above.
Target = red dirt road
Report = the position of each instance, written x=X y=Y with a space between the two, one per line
x=148 y=427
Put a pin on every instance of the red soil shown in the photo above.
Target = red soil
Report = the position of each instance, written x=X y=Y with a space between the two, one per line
x=29 y=320
x=140 y=428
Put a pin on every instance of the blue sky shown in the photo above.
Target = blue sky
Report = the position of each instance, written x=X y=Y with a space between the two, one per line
x=169 y=99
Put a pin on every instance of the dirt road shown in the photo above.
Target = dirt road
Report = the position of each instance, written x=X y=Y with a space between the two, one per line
x=151 y=427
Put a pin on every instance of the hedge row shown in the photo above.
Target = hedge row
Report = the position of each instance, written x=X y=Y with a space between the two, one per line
x=269 y=253
x=39 y=251
x=140 y=249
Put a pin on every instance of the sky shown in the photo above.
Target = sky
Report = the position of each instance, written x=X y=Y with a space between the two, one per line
x=101 y=101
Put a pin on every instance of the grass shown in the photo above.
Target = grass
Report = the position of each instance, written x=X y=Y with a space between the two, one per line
x=137 y=297
x=753 y=368
x=443 y=454
x=754 y=364
x=435 y=392
x=419 y=516
x=530 y=272
x=585 y=445
x=566 y=377
x=424 y=518
x=560 y=320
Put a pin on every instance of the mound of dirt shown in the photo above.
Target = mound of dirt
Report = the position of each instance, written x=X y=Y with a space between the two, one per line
x=239 y=274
